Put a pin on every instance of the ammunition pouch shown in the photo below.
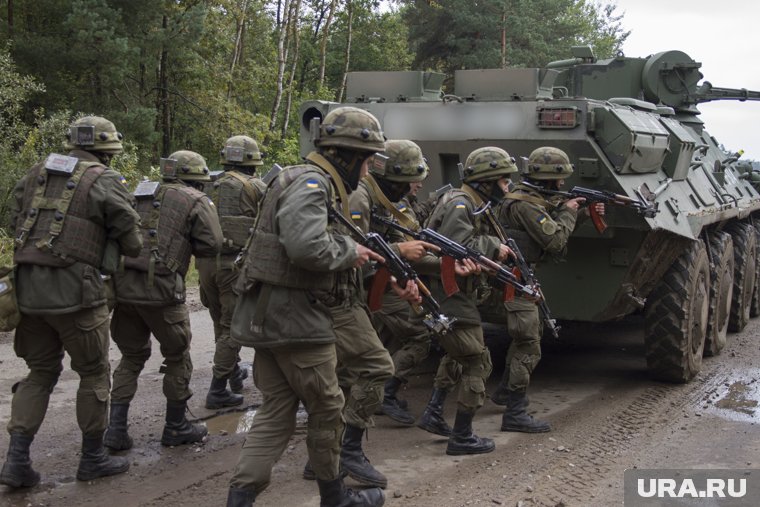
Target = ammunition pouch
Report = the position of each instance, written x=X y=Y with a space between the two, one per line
x=10 y=316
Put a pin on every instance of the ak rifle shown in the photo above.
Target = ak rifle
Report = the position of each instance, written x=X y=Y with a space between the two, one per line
x=524 y=271
x=641 y=206
x=397 y=267
x=452 y=251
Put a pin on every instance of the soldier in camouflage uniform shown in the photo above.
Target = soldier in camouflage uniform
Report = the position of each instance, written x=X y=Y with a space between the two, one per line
x=467 y=363
x=538 y=227
x=66 y=210
x=385 y=185
x=297 y=294
x=236 y=195
x=177 y=221
x=420 y=208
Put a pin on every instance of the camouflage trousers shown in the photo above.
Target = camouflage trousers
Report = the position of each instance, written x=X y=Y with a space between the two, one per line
x=364 y=364
x=40 y=341
x=217 y=295
x=285 y=375
x=466 y=366
x=524 y=328
x=407 y=341
x=131 y=327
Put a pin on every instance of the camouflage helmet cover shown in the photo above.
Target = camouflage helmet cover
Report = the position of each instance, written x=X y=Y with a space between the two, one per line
x=488 y=164
x=94 y=133
x=547 y=163
x=404 y=163
x=352 y=128
x=185 y=165
x=241 y=151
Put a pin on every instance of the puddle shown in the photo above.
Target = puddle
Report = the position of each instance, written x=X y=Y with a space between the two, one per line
x=241 y=421
x=738 y=400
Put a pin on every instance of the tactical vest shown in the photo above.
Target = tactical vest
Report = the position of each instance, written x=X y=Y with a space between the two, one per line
x=54 y=228
x=163 y=224
x=530 y=248
x=482 y=227
x=226 y=194
x=267 y=261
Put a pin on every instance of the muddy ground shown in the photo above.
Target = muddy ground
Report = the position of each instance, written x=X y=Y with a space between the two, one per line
x=607 y=417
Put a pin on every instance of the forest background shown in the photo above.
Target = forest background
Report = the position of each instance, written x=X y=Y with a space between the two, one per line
x=187 y=74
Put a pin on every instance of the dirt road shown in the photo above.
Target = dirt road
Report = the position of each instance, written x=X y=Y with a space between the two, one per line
x=607 y=416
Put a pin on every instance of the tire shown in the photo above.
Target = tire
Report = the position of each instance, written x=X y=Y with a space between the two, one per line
x=721 y=291
x=754 y=310
x=676 y=317
x=745 y=267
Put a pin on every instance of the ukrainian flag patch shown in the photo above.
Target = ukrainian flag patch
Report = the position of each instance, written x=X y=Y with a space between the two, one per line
x=541 y=219
x=312 y=184
x=123 y=180
x=356 y=215
x=401 y=208
x=460 y=205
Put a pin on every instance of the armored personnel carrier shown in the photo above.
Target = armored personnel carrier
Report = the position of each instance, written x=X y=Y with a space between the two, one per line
x=630 y=126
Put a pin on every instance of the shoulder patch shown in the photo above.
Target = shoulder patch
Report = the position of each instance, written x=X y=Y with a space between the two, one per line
x=460 y=205
x=123 y=180
x=549 y=227
x=401 y=208
x=356 y=215
x=210 y=202
x=541 y=219
x=311 y=183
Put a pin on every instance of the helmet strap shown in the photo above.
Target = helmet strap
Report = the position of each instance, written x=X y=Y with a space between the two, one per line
x=393 y=190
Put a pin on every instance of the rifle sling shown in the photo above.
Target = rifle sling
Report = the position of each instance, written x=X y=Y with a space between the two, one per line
x=325 y=164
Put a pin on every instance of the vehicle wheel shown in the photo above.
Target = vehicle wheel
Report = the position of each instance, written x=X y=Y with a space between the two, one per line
x=676 y=317
x=745 y=259
x=721 y=289
x=754 y=310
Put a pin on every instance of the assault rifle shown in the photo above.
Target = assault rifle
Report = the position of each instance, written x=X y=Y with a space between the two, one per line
x=452 y=251
x=396 y=266
x=641 y=206
x=524 y=271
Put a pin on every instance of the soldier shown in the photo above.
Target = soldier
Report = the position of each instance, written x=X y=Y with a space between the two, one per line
x=298 y=294
x=236 y=195
x=467 y=363
x=67 y=209
x=538 y=227
x=421 y=209
x=177 y=221
x=387 y=184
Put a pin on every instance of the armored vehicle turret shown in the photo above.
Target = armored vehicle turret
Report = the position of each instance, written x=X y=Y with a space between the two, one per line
x=630 y=126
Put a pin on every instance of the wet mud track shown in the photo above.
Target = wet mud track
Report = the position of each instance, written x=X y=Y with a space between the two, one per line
x=606 y=414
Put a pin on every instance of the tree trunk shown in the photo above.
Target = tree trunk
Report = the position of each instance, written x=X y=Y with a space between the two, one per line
x=237 y=51
x=323 y=42
x=282 y=54
x=347 y=64
x=162 y=97
x=296 y=49
x=10 y=20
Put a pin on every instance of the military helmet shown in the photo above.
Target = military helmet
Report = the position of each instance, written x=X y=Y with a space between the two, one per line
x=351 y=128
x=547 y=163
x=488 y=164
x=94 y=133
x=185 y=165
x=403 y=162
x=241 y=151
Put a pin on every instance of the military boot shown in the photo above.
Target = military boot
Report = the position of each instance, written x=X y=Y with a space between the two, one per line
x=463 y=440
x=95 y=463
x=516 y=417
x=391 y=406
x=353 y=460
x=432 y=419
x=236 y=379
x=237 y=497
x=219 y=396
x=178 y=430
x=17 y=471
x=116 y=437
x=335 y=494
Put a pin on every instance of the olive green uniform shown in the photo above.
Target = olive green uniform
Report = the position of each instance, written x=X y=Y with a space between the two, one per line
x=407 y=339
x=467 y=363
x=291 y=283
x=154 y=302
x=545 y=229
x=236 y=196
x=62 y=298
